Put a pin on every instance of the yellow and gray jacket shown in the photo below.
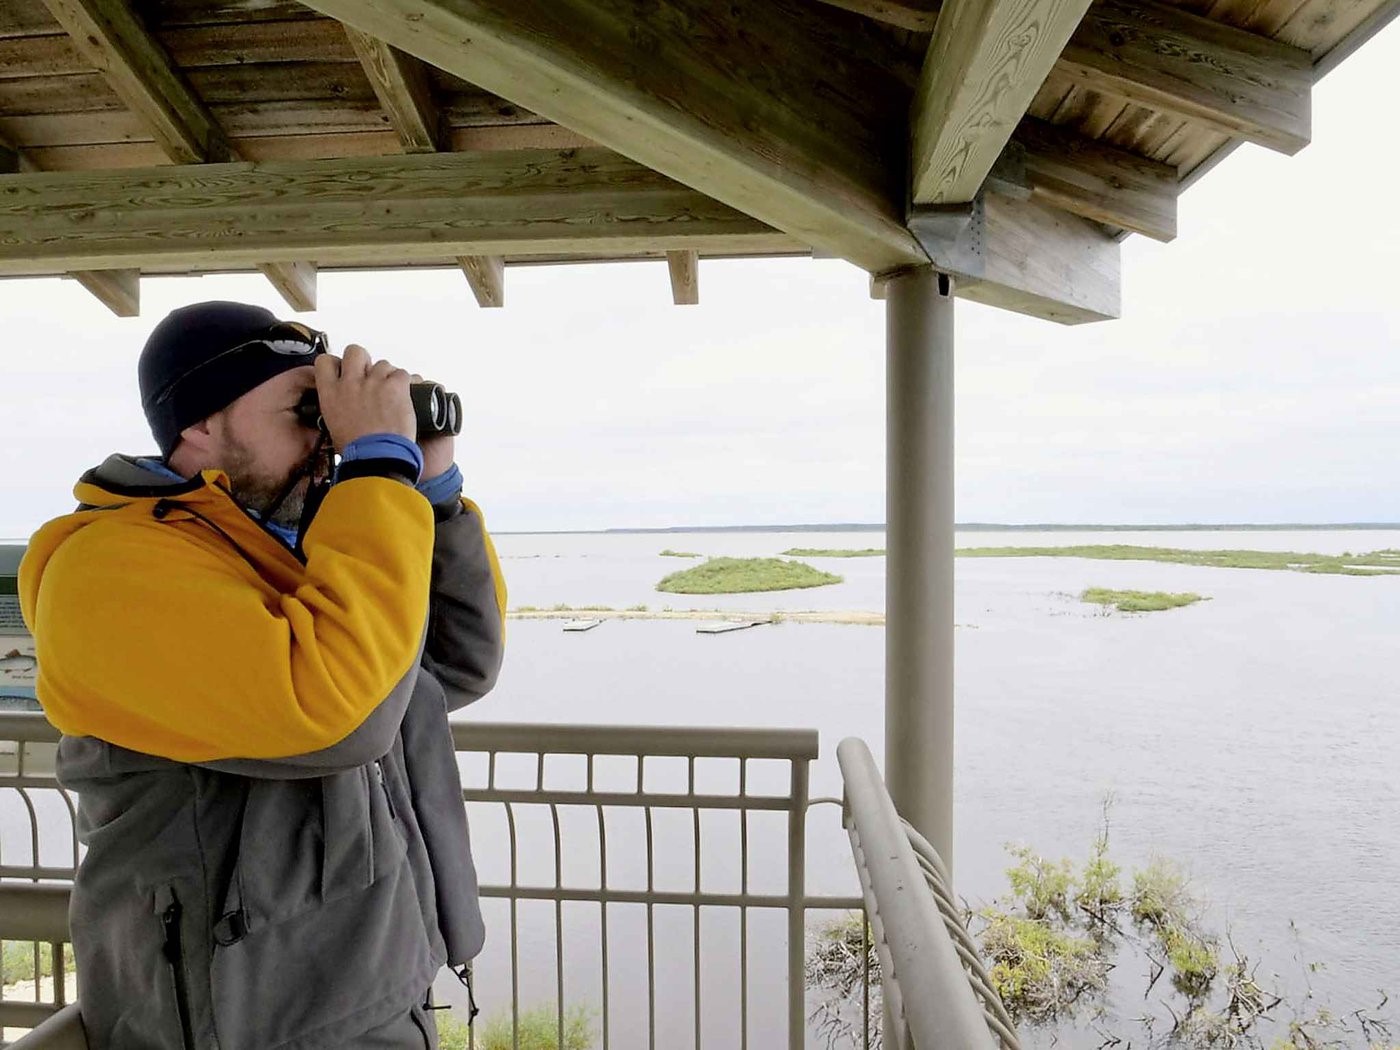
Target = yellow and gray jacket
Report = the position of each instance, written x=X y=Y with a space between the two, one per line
x=277 y=850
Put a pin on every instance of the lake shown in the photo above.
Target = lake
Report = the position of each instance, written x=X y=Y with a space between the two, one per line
x=1253 y=737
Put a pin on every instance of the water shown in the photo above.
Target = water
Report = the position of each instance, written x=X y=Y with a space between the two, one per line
x=1252 y=737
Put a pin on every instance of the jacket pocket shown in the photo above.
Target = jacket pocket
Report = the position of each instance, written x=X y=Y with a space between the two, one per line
x=171 y=917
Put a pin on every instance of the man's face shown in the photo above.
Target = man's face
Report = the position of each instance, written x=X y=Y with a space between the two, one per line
x=260 y=443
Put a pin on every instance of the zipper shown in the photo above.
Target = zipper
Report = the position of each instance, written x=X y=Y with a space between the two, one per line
x=384 y=786
x=174 y=955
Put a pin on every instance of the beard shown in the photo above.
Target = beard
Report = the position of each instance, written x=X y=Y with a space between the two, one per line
x=257 y=490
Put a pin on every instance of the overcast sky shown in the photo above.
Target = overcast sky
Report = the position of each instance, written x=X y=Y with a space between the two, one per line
x=1254 y=376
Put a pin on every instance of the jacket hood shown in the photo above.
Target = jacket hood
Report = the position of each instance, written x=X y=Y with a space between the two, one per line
x=119 y=485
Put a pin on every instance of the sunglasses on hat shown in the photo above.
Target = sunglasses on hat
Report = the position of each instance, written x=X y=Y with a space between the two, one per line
x=286 y=338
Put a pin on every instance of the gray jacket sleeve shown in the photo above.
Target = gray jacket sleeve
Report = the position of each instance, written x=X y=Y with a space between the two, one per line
x=466 y=629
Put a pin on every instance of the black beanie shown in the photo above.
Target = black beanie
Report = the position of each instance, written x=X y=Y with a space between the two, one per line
x=181 y=383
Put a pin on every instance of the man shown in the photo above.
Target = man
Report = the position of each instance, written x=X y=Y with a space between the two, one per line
x=253 y=692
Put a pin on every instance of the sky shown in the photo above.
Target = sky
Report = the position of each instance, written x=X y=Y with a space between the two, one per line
x=1254 y=376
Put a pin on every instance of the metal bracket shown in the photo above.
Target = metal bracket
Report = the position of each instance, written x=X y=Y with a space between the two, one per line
x=952 y=235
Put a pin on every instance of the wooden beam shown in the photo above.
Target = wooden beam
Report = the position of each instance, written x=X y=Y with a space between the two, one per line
x=685 y=277
x=987 y=60
x=812 y=143
x=1025 y=257
x=918 y=16
x=486 y=274
x=112 y=38
x=294 y=281
x=119 y=290
x=1097 y=181
x=1162 y=57
x=400 y=82
x=429 y=207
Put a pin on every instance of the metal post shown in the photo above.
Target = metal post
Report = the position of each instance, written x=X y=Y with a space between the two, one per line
x=919 y=563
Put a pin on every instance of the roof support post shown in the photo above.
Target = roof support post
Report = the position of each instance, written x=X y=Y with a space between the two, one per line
x=919 y=544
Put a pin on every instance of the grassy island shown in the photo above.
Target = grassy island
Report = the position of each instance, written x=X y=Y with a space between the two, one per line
x=743 y=575
x=669 y=553
x=1138 y=601
x=818 y=552
x=1376 y=563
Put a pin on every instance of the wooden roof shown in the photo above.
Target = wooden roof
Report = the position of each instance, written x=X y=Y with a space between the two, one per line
x=1011 y=142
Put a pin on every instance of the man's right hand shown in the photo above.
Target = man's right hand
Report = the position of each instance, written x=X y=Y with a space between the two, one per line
x=359 y=397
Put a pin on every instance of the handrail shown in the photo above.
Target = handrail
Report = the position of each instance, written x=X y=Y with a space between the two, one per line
x=936 y=989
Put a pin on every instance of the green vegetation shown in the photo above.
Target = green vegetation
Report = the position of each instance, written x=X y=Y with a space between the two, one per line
x=669 y=553
x=539 y=1030
x=1138 y=601
x=742 y=575
x=819 y=552
x=1376 y=563
x=1052 y=943
x=17 y=961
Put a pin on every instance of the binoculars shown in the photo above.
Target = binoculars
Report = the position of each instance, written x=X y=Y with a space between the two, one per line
x=438 y=410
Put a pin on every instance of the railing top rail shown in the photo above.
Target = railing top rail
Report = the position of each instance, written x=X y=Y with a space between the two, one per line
x=559 y=739
x=34 y=911
x=941 y=1009
x=28 y=726
x=639 y=741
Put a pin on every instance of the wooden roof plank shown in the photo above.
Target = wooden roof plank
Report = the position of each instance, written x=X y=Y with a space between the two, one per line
x=684 y=270
x=985 y=64
x=344 y=212
x=799 y=130
x=917 y=16
x=486 y=277
x=1097 y=181
x=401 y=84
x=1175 y=62
x=110 y=35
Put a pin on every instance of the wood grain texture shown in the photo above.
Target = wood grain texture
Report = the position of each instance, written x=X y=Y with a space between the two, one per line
x=112 y=38
x=1098 y=182
x=1044 y=262
x=917 y=16
x=401 y=85
x=189 y=47
x=361 y=212
x=801 y=130
x=294 y=281
x=684 y=269
x=118 y=290
x=1174 y=62
x=985 y=64
x=486 y=276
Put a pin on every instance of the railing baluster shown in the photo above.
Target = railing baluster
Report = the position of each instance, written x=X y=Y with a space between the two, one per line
x=797 y=905
x=743 y=911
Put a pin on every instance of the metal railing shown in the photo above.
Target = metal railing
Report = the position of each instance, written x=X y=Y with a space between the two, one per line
x=602 y=850
x=654 y=803
x=937 y=993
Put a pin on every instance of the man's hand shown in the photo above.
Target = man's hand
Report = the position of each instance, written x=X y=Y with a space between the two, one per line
x=439 y=452
x=359 y=397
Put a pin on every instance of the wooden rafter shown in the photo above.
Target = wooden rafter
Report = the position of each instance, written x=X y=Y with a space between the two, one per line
x=294 y=281
x=1097 y=181
x=384 y=211
x=487 y=278
x=400 y=83
x=1159 y=56
x=810 y=143
x=118 y=290
x=985 y=63
x=684 y=268
x=110 y=35
x=917 y=16
x=112 y=38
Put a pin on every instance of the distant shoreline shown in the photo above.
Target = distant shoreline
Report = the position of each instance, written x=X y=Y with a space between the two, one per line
x=978 y=526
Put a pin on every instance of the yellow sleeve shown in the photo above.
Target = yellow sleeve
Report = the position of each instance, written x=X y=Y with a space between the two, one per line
x=169 y=647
